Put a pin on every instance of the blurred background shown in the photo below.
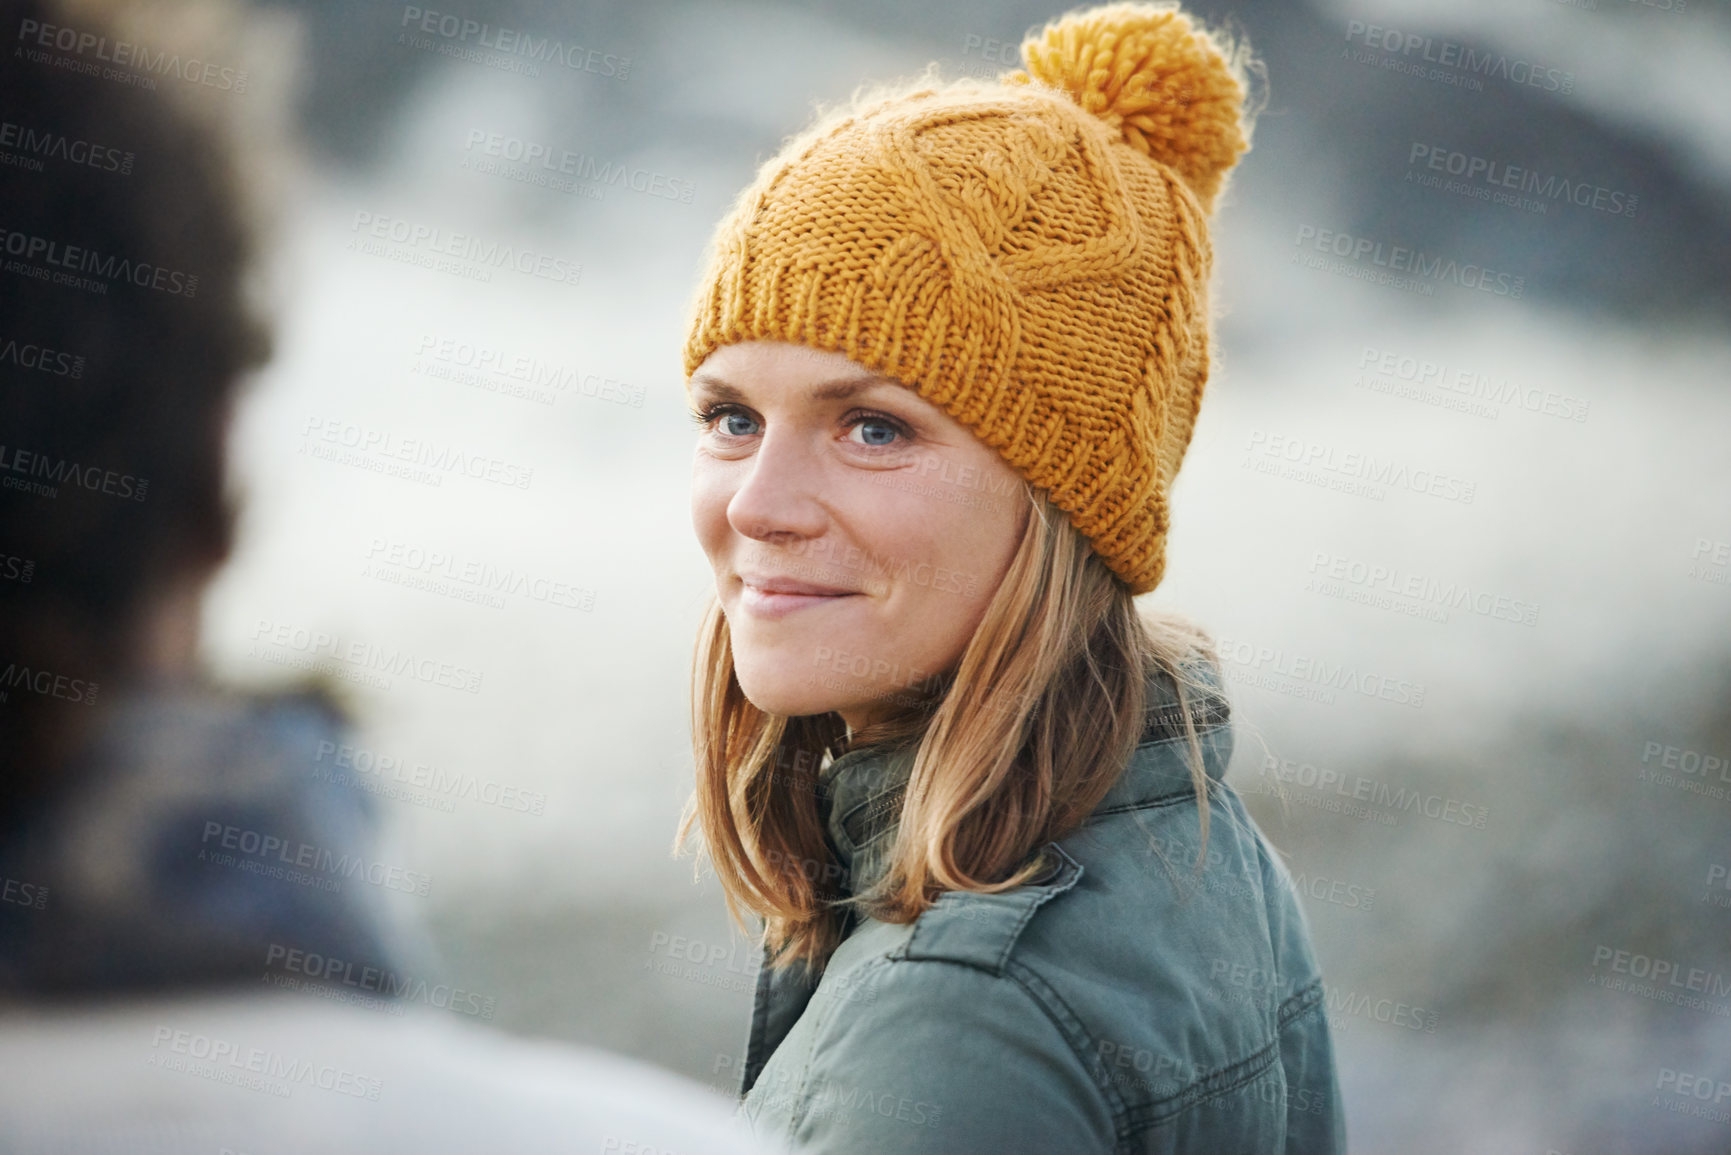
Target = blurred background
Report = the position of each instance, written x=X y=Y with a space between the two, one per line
x=1458 y=507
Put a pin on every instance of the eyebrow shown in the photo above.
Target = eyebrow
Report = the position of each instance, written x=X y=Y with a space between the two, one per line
x=839 y=389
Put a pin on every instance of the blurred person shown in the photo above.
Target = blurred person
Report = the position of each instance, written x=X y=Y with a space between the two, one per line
x=195 y=950
x=945 y=362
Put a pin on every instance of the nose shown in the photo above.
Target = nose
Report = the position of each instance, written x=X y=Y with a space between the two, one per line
x=780 y=498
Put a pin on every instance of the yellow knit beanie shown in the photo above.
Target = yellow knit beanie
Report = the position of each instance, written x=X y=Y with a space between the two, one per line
x=1029 y=255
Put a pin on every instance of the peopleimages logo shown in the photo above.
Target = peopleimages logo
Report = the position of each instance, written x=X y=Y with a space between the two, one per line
x=1685 y=1086
x=41 y=359
x=1388 y=367
x=1360 y=474
x=1665 y=976
x=126 y=55
x=1418 y=595
x=1357 y=788
x=1689 y=770
x=16 y=569
x=21 y=893
x=330 y=651
x=63 y=471
x=1304 y=676
x=373 y=980
x=1497 y=176
x=58 y=255
x=38 y=144
x=46 y=683
x=496 y=370
x=510 y=42
x=1710 y=561
x=470 y=255
x=468 y=579
x=1453 y=58
x=1422 y=267
x=578 y=165
x=1391 y=1012
x=258 y=847
x=348 y=443
x=367 y=770
x=255 y=1068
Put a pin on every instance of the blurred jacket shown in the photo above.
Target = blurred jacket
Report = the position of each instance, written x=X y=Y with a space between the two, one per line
x=198 y=954
x=199 y=829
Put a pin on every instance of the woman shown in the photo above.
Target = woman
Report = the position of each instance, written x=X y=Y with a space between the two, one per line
x=945 y=363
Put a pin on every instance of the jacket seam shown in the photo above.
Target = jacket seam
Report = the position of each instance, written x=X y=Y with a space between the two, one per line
x=1300 y=1001
x=1075 y=1035
x=1067 y=865
x=1238 y=1074
x=1127 y=1122
x=1201 y=732
x=1164 y=721
x=754 y=1040
x=1057 y=1012
x=796 y=1116
x=1176 y=795
x=1157 y=802
x=871 y=811
x=1211 y=1086
x=758 y=1052
x=1031 y=899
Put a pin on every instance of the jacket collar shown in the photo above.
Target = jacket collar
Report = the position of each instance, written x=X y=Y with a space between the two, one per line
x=860 y=793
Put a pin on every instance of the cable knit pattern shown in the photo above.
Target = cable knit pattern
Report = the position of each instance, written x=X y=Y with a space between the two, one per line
x=1031 y=256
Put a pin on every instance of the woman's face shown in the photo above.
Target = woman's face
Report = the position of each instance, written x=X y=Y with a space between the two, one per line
x=857 y=531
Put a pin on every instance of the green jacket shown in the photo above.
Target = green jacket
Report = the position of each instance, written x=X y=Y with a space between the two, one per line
x=1121 y=1002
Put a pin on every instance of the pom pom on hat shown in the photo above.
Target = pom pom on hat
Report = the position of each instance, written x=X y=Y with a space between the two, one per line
x=1146 y=70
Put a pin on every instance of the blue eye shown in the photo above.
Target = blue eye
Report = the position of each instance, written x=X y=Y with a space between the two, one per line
x=879 y=432
x=890 y=432
x=705 y=417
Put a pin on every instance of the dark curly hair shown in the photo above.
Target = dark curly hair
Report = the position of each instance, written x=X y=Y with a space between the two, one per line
x=124 y=331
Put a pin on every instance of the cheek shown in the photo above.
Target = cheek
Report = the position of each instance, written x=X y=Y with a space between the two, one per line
x=710 y=494
x=944 y=561
x=970 y=536
x=969 y=543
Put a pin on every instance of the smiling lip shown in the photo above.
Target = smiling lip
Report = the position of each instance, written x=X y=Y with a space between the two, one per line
x=775 y=597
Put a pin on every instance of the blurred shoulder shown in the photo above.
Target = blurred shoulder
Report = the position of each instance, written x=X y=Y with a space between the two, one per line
x=262 y=1072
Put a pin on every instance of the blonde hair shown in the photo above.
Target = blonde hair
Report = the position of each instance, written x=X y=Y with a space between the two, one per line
x=1015 y=747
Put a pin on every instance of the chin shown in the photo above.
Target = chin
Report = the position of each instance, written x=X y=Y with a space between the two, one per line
x=788 y=694
x=792 y=702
